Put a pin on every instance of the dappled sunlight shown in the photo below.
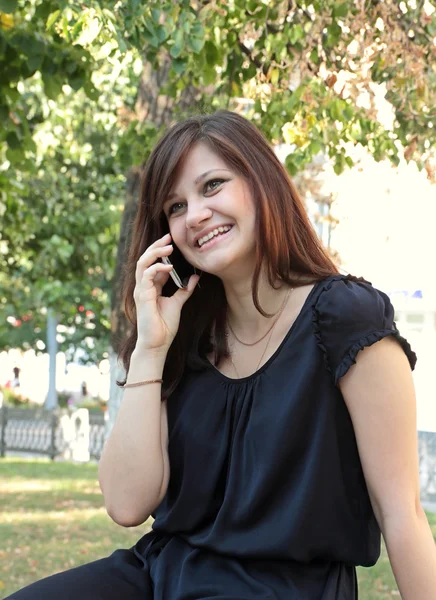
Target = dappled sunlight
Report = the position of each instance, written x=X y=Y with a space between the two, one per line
x=26 y=485
x=69 y=515
x=48 y=501
x=40 y=485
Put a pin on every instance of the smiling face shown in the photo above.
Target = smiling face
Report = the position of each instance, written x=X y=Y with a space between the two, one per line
x=211 y=215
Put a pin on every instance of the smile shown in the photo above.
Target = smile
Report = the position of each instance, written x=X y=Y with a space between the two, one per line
x=214 y=237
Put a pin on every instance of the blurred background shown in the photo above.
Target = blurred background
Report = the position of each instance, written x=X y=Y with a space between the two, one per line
x=346 y=94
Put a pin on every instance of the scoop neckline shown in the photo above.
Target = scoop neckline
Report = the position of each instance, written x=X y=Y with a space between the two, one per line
x=278 y=350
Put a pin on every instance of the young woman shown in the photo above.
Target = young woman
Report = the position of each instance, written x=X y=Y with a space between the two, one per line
x=271 y=451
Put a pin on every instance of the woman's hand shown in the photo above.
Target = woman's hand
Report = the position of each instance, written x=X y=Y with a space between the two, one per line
x=158 y=317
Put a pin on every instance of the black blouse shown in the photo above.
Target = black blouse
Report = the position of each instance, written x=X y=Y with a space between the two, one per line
x=267 y=497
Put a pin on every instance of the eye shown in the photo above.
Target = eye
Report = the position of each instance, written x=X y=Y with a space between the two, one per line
x=175 y=207
x=212 y=185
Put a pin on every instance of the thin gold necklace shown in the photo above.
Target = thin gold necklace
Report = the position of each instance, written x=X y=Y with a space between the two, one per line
x=270 y=329
x=269 y=339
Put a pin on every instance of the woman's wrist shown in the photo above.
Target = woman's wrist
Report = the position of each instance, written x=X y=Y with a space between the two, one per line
x=145 y=366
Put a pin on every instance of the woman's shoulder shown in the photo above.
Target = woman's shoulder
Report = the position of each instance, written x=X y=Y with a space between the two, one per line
x=344 y=297
x=349 y=314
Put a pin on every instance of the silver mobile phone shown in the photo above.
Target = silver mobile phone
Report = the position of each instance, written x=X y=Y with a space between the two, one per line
x=173 y=273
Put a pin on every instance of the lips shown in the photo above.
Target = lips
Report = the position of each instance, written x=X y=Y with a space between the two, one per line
x=213 y=241
x=204 y=234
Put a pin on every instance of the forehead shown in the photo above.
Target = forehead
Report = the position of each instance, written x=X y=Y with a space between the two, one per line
x=201 y=158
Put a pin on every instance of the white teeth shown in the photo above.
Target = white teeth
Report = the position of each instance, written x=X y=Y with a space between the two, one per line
x=212 y=234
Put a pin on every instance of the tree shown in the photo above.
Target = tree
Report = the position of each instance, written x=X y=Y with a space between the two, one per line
x=305 y=72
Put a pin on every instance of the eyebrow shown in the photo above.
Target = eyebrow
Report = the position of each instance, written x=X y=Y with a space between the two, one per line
x=197 y=181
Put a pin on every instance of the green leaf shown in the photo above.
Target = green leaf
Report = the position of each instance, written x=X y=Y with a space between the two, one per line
x=70 y=67
x=110 y=15
x=49 y=67
x=12 y=94
x=336 y=111
x=151 y=38
x=249 y=72
x=42 y=12
x=52 y=19
x=179 y=65
x=212 y=54
x=314 y=56
x=177 y=47
x=91 y=91
x=12 y=140
x=161 y=33
x=275 y=73
x=29 y=144
x=75 y=32
x=290 y=165
x=209 y=74
x=8 y=6
x=395 y=159
x=348 y=113
x=315 y=147
x=27 y=44
x=4 y=113
x=295 y=98
x=231 y=38
x=296 y=34
x=52 y=86
x=197 y=30
x=155 y=15
x=15 y=157
x=196 y=44
x=339 y=165
x=77 y=80
x=334 y=32
x=149 y=25
x=34 y=62
x=341 y=10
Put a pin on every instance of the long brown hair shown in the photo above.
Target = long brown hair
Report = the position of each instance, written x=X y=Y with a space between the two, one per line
x=287 y=245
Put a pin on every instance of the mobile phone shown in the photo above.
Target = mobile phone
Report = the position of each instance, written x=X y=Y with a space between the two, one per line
x=174 y=275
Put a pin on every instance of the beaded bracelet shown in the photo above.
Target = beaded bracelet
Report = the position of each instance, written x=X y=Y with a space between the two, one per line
x=127 y=385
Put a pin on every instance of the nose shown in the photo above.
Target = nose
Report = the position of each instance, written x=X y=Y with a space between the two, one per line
x=197 y=213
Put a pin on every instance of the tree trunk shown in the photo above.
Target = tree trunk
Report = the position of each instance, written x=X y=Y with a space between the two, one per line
x=151 y=106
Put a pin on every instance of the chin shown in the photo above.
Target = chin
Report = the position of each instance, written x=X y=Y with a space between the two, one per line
x=226 y=269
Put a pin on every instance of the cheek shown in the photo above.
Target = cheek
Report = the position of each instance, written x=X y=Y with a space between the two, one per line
x=177 y=230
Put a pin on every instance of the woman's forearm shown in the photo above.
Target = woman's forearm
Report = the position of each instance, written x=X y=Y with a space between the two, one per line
x=131 y=467
x=412 y=553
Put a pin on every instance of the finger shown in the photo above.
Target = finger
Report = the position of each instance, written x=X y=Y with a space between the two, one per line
x=159 y=281
x=148 y=276
x=182 y=295
x=151 y=256
x=163 y=241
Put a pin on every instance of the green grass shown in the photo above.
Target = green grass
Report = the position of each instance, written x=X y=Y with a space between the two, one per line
x=52 y=518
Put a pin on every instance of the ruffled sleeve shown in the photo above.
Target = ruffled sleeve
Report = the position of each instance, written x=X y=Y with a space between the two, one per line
x=350 y=315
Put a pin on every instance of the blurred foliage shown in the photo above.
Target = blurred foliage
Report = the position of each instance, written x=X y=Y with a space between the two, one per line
x=12 y=397
x=73 y=119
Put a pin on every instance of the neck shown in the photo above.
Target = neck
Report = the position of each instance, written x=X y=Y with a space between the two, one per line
x=242 y=313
